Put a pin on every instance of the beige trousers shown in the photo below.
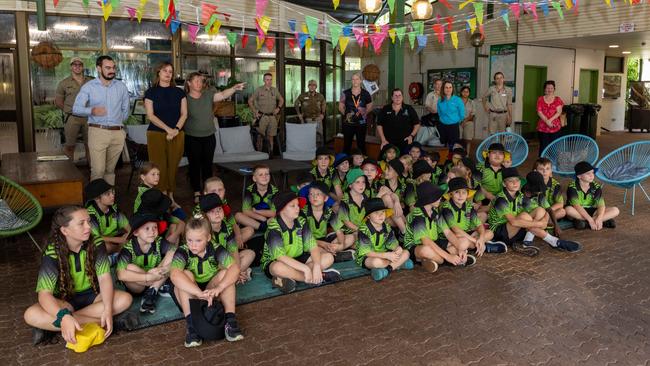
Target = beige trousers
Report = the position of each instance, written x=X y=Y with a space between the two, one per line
x=105 y=148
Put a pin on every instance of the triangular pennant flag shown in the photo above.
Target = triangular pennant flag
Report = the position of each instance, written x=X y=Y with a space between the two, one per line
x=359 y=35
x=232 y=38
x=418 y=27
x=259 y=42
x=206 y=12
x=472 y=25
x=609 y=3
x=56 y=3
x=211 y=22
x=464 y=4
x=244 y=40
x=270 y=43
x=478 y=11
x=343 y=43
x=85 y=2
x=558 y=7
x=143 y=3
x=422 y=42
x=171 y=8
x=544 y=6
x=302 y=39
x=107 y=9
x=377 y=39
x=347 y=30
x=138 y=15
x=482 y=31
x=446 y=4
x=438 y=29
x=335 y=33
x=516 y=10
x=391 y=6
x=391 y=34
x=174 y=26
x=450 y=21
x=292 y=44
x=312 y=25
x=505 y=17
x=192 y=30
x=260 y=7
x=400 y=31
x=115 y=3
x=569 y=4
x=335 y=3
x=132 y=12
x=576 y=2
x=161 y=9
x=292 y=25
x=411 y=39
x=532 y=8
x=263 y=24
x=454 y=39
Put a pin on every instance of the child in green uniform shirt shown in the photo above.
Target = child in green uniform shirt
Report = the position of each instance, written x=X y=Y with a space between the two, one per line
x=107 y=223
x=377 y=247
x=373 y=174
x=455 y=157
x=73 y=272
x=552 y=191
x=437 y=176
x=257 y=206
x=392 y=190
x=143 y=264
x=149 y=178
x=324 y=172
x=586 y=205
x=169 y=226
x=351 y=212
x=516 y=218
x=423 y=233
x=422 y=172
x=461 y=217
x=223 y=234
x=200 y=270
x=357 y=157
x=387 y=153
x=325 y=225
x=491 y=178
x=290 y=250
x=342 y=165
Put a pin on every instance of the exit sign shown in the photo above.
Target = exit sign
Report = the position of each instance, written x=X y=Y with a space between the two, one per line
x=626 y=28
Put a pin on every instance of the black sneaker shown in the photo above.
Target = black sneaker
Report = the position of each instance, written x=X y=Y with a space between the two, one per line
x=580 y=224
x=148 y=302
x=331 y=275
x=471 y=260
x=126 y=321
x=233 y=333
x=610 y=224
x=495 y=247
x=527 y=250
x=286 y=285
x=568 y=245
x=192 y=339
x=165 y=290
x=42 y=336
x=344 y=255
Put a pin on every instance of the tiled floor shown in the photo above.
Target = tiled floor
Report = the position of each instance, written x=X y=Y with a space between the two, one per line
x=589 y=308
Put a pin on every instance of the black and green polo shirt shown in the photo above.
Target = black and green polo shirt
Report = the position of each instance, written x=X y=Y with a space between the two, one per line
x=230 y=218
x=225 y=237
x=340 y=181
x=281 y=240
x=350 y=211
x=132 y=253
x=138 y=197
x=554 y=192
x=420 y=225
x=49 y=273
x=475 y=184
x=319 y=227
x=372 y=240
x=106 y=224
x=437 y=177
x=505 y=204
x=329 y=179
x=399 y=189
x=491 y=180
x=592 y=198
x=253 y=199
x=410 y=194
x=464 y=217
x=203 y=267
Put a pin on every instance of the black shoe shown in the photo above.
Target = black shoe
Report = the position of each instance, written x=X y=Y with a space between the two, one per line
x=471 y=260
x=610 y=224
x=165 y=290
x=148 y=302
x=42 y=336
x=192 y=339
x=568 y=245
x=126 y=321
x=495 y=247
x=286 y=285
x=232 y=331
x=344 y=256
x=331 y=275
x=527 y=250
x=580 y=224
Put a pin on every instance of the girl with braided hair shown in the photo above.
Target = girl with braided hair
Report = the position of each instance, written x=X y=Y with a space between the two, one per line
x=73 y=273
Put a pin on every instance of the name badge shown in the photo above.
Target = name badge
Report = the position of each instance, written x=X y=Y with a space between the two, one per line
x=504 y=95
x=305 y=98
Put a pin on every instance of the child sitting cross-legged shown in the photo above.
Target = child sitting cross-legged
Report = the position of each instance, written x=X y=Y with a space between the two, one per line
x=169 y=226
x=290 y=250
x=585 y=202
x=351 y=212
x=323 y=171
x=552 y=191
x=490 y=171
x=392 y=190
x=257 y=206
x=387 y=153
x=342 y=165
x=377 y=247
x=108 y=224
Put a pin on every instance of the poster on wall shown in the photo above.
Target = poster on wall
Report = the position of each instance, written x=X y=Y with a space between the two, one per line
x=503 y=57
x=611 y=86
x=459 y=77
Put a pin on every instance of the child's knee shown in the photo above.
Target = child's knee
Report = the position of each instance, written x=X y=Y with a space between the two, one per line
x=121 y=301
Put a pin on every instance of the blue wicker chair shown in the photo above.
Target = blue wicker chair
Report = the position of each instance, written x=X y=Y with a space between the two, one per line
x=569 y=150
x=20 y=211
x=626 y=167
x=514 y=143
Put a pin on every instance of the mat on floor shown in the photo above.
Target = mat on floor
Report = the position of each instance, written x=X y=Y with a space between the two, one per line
x=256 y=289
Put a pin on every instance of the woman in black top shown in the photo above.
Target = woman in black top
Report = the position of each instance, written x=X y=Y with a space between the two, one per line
x=354 y=104
x=166 y=107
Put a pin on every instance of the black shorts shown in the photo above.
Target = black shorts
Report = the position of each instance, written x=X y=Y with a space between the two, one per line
x=591 y=210
x=83 y=299
x=501 y=234
x=303 y=258
x=449 y=134
x=202 y=286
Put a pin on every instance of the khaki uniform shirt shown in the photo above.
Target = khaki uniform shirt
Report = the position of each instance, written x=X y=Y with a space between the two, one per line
x=431 y=101
x=498 y=100
x=310 y=105
x=67 y=90
x=266 y=100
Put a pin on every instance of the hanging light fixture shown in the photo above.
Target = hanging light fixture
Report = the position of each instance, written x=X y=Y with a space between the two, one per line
x=370 y=6
x=421 y=10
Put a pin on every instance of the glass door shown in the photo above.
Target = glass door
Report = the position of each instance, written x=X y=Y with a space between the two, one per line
x=8 y=112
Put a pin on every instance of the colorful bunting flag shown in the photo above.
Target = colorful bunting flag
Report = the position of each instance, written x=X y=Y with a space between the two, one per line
x=192 y=30
x=232 y=38
x=464 y=4
x=260 y=7
x=132 y=12
x=343 y=43
x=85 y=2
x=213 y=25
x=262 y=24
x=335 y=33
x=174 y=26
x=115 y=3
x=359 y=35
x=400 y=32
x=391 y=6
x=347 y=30
x=516 y=10
x=446 y=4
x=478 y=11
x=161 y=9
x=439 y=30
x=505 y=17
x=412 y=39
x=302 y=39
x=244 y=40
x=292 y=25
x=335 y=3
x=107 y=9
x=450 y=22
x=418 y=27
x=292 y=44
x=454 y=39
x=377 y=39
x=138 y=15
x=544 y=6
x=569 y=4
x=206 y=12
x=270 y=43
x=391 y=34
x=312 y=26
x=558 y=7
x=532 y=8
x=422 y=42
x=472 y=25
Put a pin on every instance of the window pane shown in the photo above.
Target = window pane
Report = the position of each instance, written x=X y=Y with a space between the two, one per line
x=7 y=24
x=292 y=84
x=217 y=69
x=312 y=73
x=214 y=45
x=313 y=52
x=251 y=47
x=332 y=99
x=329 y=53
x=129 y=35
x=294 y=52
x=136 y=69
x=251 y=71
x=67 y=32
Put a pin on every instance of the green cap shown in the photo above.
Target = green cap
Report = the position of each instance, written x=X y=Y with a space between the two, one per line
x=353 y=174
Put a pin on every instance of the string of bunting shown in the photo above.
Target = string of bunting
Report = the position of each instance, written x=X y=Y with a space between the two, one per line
x=209 y=17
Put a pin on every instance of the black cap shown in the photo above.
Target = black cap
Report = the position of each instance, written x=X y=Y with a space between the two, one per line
x=140 y=219
x=459 y=151
x=373 y=205
x=435 y=156
x=304 y=178
x=509 y=173
x=421 y=167
x=456 y=184
x=208 y=321
x=534 y=183
x=320 y=186
x=355 y=151
x=397 y=166
x=155 y=202
x=282 y=199
x=324 y=150
x=497 y=146
x=469 y=164
x=96 y=188
x=583 y=167
x=370 y=161
x=427 y=193
x=210 y=201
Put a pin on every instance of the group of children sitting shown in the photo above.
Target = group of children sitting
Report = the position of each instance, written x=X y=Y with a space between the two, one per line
x=386 y=216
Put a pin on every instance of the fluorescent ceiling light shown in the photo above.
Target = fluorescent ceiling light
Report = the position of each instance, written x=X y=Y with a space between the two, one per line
x=613 y=46
x=626 y=52
x=70 y=27
x=122 y=47
x=146 y=38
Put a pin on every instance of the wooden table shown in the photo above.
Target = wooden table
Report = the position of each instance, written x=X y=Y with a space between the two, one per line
x=373 y=147
x=53 y=183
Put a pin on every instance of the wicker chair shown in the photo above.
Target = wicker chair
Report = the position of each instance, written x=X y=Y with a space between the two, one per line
x=569 y=150
x=20 y=211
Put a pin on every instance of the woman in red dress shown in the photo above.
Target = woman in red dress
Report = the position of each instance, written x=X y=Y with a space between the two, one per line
x=549 y=109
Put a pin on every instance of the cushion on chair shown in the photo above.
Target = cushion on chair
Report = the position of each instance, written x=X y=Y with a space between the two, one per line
x=236 y=140
x=8 y=219
x=567 y=160
x=239 y=157
x=301 y=138
x=299 y=155
x=624 y=172
x=218 y=149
